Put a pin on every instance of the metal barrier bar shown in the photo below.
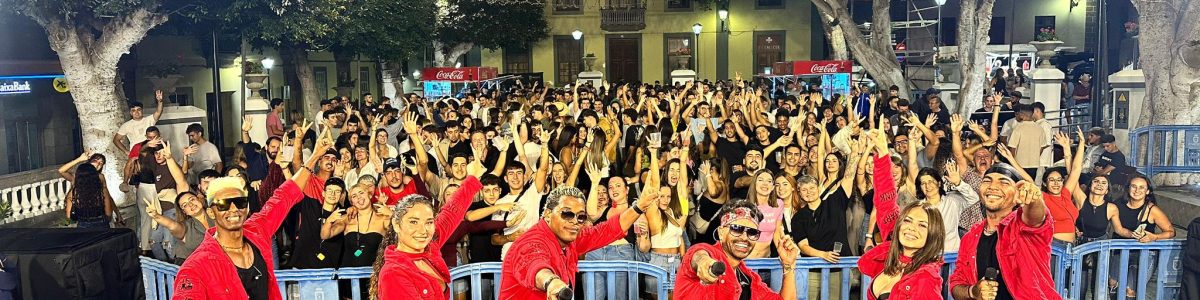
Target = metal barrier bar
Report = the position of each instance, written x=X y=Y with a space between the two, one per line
x=1068 y=265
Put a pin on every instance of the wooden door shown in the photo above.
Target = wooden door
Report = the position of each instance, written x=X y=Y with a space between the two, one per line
x=624 y=59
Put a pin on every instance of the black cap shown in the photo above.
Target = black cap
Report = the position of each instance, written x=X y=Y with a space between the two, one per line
x=390 y=164
x=1108 y=138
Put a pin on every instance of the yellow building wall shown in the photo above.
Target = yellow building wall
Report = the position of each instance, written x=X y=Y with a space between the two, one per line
x=744 y=19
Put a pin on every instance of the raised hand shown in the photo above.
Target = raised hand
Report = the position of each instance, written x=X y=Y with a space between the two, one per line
x=383 y=210
x=338 y=217
x=788 y=251
x=1028 y=193
x=158 y=96
x=953 y=176
x=655 y=141
x=166 y=150
x=931 y=120
x=515 y=218
x=593 y=172
x=1062 y=140
x=190 y=150
x=247 y=123
x=956 y=122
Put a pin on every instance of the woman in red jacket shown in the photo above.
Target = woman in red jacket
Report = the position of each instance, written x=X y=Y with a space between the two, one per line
x=909 y=266
x=411 y=266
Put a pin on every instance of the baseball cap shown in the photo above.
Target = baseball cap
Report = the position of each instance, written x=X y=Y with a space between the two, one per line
x=390 y=164
x=1108 y=138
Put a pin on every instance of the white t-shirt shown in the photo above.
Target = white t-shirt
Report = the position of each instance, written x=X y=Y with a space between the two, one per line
x=207 y=156
x=528 y=202
x=1027 y=138
x=135 y=130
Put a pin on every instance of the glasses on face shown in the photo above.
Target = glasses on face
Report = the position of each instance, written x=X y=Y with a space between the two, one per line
x=739 y=230
x=576 y=217
x=237 y=202
x=1055 y=180
x=901 y=141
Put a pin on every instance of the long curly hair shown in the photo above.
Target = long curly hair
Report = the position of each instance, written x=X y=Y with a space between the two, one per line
x=88 y=189
x=389 y=237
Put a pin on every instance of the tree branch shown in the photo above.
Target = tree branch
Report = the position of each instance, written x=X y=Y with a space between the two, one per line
x=121 y=34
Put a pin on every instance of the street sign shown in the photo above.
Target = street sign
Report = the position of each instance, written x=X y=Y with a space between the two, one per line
x=1121 y=118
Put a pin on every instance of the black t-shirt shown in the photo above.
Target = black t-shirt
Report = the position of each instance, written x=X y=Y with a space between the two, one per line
x=310 y=251
x=985 y=257
x=1115 y=159
x=254 y=278
x=463 y=146
x=744 y=281
x=708 y=211
x=826 y=225
x=481 y=248
x=732 y=151
x=736 y=192
x=984 y=117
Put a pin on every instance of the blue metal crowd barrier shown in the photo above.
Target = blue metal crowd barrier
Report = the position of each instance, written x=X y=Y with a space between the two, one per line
x=1068 y=265
x=1167 y=148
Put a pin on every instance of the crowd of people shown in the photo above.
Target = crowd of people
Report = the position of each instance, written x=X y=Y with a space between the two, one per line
x=692 y=177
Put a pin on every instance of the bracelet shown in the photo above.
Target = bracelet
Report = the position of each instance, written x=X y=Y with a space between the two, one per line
x=638 y=210
x=546 y=285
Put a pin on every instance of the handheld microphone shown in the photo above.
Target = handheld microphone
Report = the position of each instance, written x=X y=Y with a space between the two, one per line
x=991 y=274
x=717 y=268
x=564 y=294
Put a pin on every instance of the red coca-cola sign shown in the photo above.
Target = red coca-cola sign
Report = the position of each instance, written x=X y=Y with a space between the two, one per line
x=821 y=67
x=458 y=74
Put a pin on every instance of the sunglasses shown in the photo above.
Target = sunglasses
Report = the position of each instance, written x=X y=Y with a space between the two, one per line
x=224 y=204
x=750 y=233
x=579 y=217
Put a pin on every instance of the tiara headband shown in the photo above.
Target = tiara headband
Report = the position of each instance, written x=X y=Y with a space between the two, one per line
x=737 y=214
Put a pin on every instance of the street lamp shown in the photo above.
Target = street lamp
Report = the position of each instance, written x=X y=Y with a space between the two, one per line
x=267 y=63
x=696 y=28
x=577 y=34
x=724 y=13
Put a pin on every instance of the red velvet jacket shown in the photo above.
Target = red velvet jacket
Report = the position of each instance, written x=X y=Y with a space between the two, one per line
x=1023 y=252
x=925 y=282
x=401 y=279
x=209 y=273
x=540 y=249
x=688 y=285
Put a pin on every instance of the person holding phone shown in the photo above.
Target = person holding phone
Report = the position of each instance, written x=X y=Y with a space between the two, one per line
x=909 y=267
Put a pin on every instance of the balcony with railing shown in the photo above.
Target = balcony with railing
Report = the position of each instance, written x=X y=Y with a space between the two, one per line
x=32 y=197
x=623 y=15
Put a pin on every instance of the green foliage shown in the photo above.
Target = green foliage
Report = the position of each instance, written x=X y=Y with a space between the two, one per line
x=387 y=29
x=5 y=210
x=493 y=26
x=252 y=67
x=309 y=23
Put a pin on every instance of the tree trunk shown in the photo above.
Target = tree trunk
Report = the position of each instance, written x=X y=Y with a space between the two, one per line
x=1170 y=63
x=837 y=39
x=444 y=56
x=393 y=81
x=310 y=95
x=975 y=19
x=89 y=63
x=876 y=55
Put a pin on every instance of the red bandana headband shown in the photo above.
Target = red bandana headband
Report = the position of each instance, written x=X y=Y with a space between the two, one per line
x=737 y=214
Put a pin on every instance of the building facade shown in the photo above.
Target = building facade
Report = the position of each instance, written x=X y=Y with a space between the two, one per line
x=644 y=40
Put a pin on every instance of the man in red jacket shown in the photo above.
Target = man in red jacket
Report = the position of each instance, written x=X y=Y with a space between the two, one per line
x=545 y=259
x=232 y=261
x=1007 y=255
x=698 y=279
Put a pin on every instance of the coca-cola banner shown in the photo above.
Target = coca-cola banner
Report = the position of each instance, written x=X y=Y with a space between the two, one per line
x=821 y=67
x=458 y=74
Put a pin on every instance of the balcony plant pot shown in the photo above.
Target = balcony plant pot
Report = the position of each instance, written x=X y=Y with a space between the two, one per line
x=589 y=60
x=1045 y=50
x=254 y=82
x=683 y=62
